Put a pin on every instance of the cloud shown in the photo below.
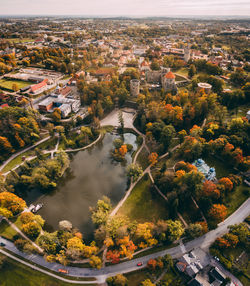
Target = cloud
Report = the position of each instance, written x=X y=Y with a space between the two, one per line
x=125 y=7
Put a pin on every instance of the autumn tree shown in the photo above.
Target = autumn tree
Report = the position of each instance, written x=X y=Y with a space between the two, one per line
x=95 y=262
x=210 y=190
x=147 y=282
x=226 y=184
x=218 y=212
x=12 y=202
x=31 y=229
x=118 y=280
x=152 y=158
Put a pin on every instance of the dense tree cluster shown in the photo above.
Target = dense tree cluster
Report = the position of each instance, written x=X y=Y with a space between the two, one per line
x=18 y=128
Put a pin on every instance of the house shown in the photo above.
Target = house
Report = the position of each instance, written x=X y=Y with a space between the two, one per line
x=191 y=263
x=46 y=105
x=217 y=275
x=65 y=109
x=65 y=91
x=202 y=167
x=40 y=87
x=4 y=105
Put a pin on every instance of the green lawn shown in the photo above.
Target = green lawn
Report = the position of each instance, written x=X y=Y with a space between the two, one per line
x=221 y=168
x=135 y=278
x=7 y=231
x=8 y=84
x=18 y=40
x=236 y=198
x=16 y=274
x=143 y=205
x=16 y=161
x=182 y=71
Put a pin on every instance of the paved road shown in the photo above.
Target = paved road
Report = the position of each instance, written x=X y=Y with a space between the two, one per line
x=203 y=242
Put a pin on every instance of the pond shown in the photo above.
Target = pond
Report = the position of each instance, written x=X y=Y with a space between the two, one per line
x=92 y=174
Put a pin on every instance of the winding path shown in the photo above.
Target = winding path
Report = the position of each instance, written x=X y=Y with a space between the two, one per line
x=23 y=151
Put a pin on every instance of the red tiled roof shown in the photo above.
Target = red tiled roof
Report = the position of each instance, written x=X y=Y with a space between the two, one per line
x=39 y=85
x=170 y=75
x=65 y=90
x=4 y=105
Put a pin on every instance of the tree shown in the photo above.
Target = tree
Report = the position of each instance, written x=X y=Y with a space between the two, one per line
x=95 y=262
x=5 y=145
x=113 y=256
x=194 y=230
x=168 y=261
x=152 y=264
x=121 y=120
x=134 y=171
x=167 y=135
x=75 y=247
x=226 y=184
x=65 y=225
x=31 y=229
x=218 y=212
x=191 y=71
x=12 y=202
x=100 y=212
x=152 y=158
x=56 y=114
x=210 y=190
x=242 y=231
x=14 y=87
x=147 y=282
x=120 y=280
x=175 y=230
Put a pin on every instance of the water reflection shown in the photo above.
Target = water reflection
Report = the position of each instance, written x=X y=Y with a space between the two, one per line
x=91 y=175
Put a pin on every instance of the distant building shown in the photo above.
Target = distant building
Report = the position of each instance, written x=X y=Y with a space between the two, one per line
x=65 y=110
x=168 y=82
x=134 y=87
x=46 y=105
x=164 y=77
x=40 y=87
x=207 y=171
x=187 y=54
x=66 y=105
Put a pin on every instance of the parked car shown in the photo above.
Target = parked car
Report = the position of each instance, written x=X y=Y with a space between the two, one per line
x=139 y=264
x=63 y=271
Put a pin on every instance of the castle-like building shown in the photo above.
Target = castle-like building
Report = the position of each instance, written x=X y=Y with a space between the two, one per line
x=164 y=77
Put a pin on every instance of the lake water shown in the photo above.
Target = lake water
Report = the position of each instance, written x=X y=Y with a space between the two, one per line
x=92 y=174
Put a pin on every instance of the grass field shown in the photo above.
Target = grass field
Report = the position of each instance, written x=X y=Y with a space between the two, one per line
x=143 y=205
x=17 y=161
x=8 y=84
x=18 y=40
x=236 y=198
x=182 y=71
x=7 y=231
x=13 y=273
x=135 y=278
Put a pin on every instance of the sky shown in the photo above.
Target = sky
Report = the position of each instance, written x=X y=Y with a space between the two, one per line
x=126 y=7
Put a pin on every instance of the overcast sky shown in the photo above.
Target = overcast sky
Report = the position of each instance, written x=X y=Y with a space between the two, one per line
x=125 y=7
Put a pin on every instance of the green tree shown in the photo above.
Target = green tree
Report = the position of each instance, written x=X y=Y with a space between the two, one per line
x=134 y=171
